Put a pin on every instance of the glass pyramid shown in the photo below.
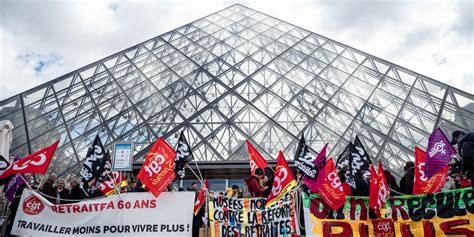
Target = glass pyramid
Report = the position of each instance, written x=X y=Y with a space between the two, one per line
x=234 y=75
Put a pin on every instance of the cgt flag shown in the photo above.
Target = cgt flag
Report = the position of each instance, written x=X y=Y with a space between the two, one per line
x=256 y=160
x=423 y=184
x=378 y=189
x=109 y=187
x=36 y=163
x=201 y=198
x=94 y=165
x=331 y=189
x=183 y=156
x=157 y=171
x=440 y=153
x=319 y=164
x=283 y=182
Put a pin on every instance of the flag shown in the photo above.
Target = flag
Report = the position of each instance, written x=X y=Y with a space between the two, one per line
x=378 y=189
x=304 y=160
x=36 y=163
x=94 y=166
x=108 y=187
x=183 y=156
x=256 y=160
x=3 y=164
x=157 y=171
x=283 y=181
x=422 y=184
x=440 y=152
x=358 y=166
x=10 y=187
x=201 y=198
x=331 y=188
x=319 y=164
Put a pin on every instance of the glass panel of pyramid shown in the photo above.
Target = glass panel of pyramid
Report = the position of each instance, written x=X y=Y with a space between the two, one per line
x=237 y=75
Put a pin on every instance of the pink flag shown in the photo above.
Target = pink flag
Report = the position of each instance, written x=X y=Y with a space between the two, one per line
x=439 y=153
x=319 y=164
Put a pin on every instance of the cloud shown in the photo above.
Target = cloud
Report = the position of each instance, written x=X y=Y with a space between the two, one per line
x=40 y=62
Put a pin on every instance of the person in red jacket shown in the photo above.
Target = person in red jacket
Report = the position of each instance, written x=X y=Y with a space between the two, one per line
x=253 y=183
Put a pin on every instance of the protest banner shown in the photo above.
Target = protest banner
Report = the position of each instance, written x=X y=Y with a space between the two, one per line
x=436 y=214
x=248 y=217
x=130 y=214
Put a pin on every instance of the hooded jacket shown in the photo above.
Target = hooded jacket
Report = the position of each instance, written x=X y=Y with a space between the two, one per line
x=253 y=184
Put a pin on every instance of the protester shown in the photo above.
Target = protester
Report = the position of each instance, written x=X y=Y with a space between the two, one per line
x=406 y=183
x=76 y=192
x=61 y=192
x=48 y=188
x=392 y=183
x=193 y=187
x=253 y=183
x=457 y=137
x=232 y=192
x=467 y=153
x=139 y=187
x=269 y=178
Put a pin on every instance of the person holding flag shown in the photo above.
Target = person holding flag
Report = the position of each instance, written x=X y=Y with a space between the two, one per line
x=198 y=210
x=253 y=183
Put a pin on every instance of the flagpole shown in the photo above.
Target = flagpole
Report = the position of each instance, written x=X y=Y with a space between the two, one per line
x=206 y=213
x=113 y=180
x=200 y=180
x=28 y=184
x=199 y=171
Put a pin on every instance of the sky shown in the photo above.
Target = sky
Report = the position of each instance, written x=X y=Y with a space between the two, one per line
x=42 y=40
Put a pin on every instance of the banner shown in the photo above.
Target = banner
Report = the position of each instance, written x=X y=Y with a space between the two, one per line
x=130 y=214
x=436 y=214
x=248 y=217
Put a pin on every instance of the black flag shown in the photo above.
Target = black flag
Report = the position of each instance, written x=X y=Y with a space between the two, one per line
x=183 y=156
x=354 y=159
x=304 y=160
x=343 y=162
x=363 y=153
x=93 y=166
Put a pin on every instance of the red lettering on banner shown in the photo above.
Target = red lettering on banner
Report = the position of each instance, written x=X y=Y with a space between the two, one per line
x=405 y=230
x=363 y=209
x=363 y=230
x=329 y=225
x=315 y=208
x=447 y=228
x=428 y=229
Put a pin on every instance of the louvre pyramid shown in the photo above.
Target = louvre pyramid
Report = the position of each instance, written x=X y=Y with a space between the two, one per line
x=234 y=75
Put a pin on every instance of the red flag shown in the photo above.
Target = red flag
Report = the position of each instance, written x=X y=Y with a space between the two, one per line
x=157 y=171
x=201 y=198
x=108 y=187
x=283 y=182
x=422 y=184
x=319 y=164
x=256 y=160
x=378 y=189
x=331 y=188
x=36 y=163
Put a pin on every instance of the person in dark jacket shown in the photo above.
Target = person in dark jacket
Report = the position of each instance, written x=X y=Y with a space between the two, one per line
x=406 y=183
x=269 y=178
x=48 y=188
x=76 y=192
x=253 y=183
x=61 y=192
x=467 y=153
x=139 y=187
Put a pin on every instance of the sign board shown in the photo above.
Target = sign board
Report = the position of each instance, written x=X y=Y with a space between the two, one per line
x=123 y=157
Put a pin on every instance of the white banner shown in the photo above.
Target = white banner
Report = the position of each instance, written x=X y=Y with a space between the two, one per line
x=130 y=214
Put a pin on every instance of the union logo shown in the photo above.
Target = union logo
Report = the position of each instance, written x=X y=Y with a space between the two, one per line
x=32 y=205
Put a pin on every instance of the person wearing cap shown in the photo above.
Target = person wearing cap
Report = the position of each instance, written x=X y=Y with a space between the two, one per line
x=406 y=183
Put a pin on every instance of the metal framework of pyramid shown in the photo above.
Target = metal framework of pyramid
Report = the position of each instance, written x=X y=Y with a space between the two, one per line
x=233 y=76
